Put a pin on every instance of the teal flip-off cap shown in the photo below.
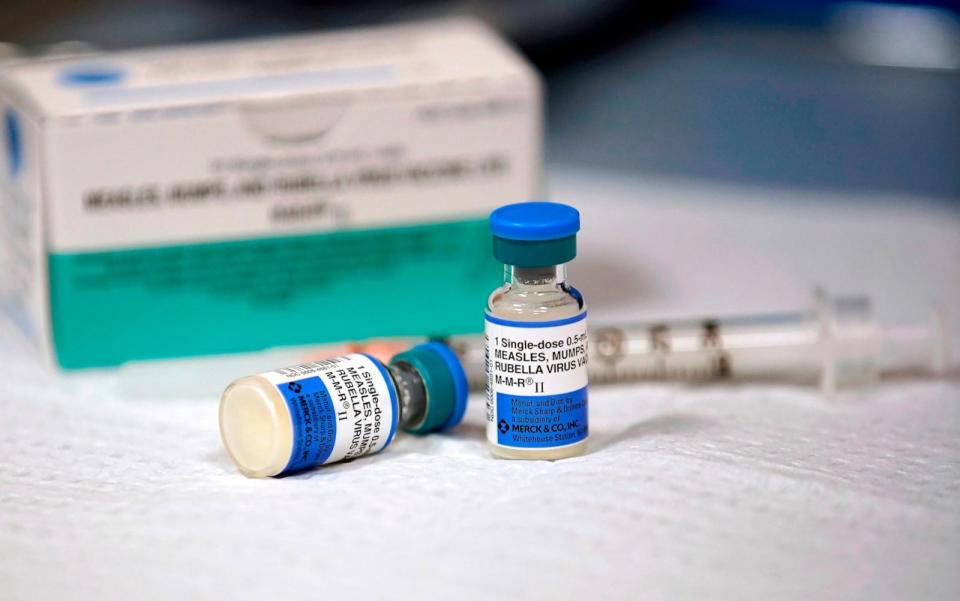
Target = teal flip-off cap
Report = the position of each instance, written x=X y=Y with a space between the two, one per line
x=445 y=384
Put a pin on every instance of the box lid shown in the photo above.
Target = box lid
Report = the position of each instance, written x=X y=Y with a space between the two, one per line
x=419 y=54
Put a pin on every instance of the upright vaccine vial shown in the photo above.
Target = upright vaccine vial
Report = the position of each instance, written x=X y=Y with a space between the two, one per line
x=338 y=409
x=536 y=336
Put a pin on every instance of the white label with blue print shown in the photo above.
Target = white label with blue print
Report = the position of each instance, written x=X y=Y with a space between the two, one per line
x=536 y=382
x=340 y=408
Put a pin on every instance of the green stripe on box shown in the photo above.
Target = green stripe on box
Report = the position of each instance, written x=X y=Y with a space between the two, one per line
x=108 y=307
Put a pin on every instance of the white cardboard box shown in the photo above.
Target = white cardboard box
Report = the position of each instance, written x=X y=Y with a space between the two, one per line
x=230 y=197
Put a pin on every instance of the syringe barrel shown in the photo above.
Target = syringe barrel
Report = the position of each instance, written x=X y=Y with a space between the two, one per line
x=706 y=350
x=835 y=344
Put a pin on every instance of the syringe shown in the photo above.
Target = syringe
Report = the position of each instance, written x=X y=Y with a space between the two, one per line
x=837 y=344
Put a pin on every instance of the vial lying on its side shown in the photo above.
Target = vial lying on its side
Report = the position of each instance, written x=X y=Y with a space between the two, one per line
x=338 y=409
x=536 y=336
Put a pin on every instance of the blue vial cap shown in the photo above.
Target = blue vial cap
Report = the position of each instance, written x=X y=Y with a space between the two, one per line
x=535 y=221
x=535 y=234
x=445 y=383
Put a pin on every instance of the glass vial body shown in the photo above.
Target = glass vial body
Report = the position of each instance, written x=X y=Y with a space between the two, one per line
x=536 y=337
x=307 y=415
x=322 y=412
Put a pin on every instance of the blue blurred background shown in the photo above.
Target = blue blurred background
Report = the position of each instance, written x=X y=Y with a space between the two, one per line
x=855 y=97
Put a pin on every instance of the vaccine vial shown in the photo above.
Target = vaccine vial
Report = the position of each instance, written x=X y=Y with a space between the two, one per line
x=536 y=336
x=338 y=409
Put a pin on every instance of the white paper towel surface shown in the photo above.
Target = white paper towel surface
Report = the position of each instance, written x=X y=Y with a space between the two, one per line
x=112 y=487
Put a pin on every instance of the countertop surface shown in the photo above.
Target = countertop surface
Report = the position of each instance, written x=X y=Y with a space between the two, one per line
x=114 y=484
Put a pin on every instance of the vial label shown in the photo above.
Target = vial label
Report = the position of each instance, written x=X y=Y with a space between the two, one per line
x=341 y=408
x=536 y=382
